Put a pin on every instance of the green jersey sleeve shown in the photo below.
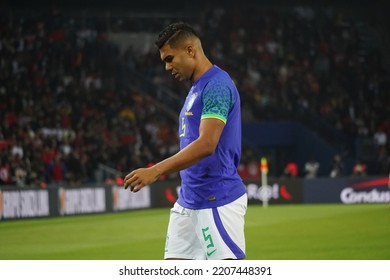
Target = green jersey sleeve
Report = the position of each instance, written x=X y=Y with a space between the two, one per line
x=217 y=101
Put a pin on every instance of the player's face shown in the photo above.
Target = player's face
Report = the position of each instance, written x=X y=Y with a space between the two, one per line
x=178 y=62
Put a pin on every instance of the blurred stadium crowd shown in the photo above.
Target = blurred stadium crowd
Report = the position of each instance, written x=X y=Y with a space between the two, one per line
x=71 y=103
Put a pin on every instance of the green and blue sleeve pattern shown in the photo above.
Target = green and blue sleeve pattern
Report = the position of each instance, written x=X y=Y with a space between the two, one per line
x=217 y=101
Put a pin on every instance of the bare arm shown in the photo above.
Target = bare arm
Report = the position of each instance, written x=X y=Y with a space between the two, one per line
x=209 y=133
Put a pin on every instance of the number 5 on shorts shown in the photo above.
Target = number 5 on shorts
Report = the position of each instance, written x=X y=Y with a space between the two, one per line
x=208 y=239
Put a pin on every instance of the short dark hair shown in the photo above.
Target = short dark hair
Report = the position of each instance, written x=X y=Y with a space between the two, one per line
x=175 y=33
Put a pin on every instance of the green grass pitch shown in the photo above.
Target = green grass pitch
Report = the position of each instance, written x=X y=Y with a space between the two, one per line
x=290 y=232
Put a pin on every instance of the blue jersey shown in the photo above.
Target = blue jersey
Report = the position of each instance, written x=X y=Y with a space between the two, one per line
x=214 y=180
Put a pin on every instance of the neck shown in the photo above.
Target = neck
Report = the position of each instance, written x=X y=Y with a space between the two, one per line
x=203 y=67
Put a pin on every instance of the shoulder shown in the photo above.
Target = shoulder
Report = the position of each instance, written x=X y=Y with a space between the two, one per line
x=220 y=81
x=221 y=76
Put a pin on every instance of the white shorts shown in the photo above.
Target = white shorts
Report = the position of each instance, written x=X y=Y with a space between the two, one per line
x=207 y=234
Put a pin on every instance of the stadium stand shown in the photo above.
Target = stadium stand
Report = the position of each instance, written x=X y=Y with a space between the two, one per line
x=74 y=102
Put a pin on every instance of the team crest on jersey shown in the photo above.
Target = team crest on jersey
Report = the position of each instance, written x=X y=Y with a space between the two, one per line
x=191 y=101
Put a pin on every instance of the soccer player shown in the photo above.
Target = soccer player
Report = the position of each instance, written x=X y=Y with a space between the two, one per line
x=207 y=221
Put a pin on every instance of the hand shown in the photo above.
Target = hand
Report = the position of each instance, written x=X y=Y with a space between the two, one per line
x=139 y=178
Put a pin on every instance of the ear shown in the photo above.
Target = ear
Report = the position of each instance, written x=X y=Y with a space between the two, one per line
x=190 y=50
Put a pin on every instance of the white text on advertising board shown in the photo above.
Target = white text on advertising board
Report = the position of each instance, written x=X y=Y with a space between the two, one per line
x=254 y=192
x=78 y=201
x=350 y=196
x=25 y=204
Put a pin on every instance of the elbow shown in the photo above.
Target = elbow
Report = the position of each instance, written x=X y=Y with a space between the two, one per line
x=209 y=149
x=208 y=153
x=205 y=146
